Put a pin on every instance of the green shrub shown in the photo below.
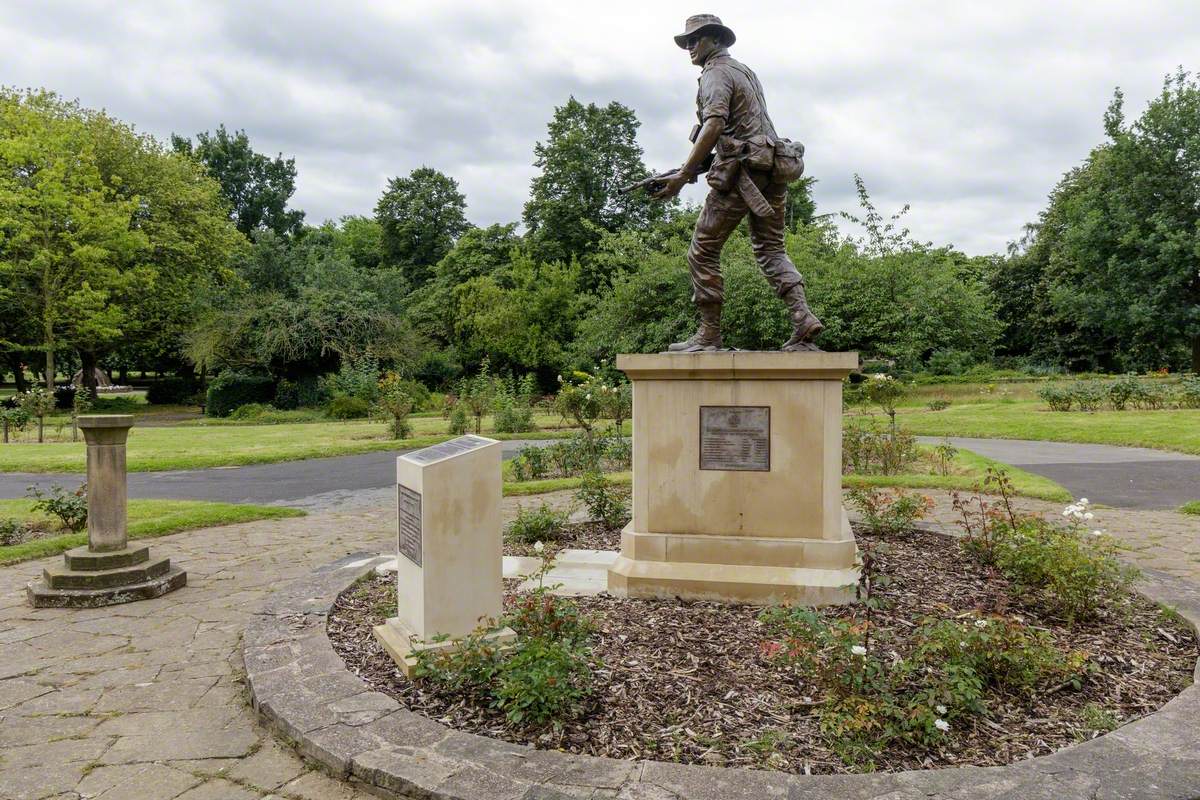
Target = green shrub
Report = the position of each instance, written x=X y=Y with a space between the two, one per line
x=1190 y=507
x=950 y=362
x=176 y=391
x=1151 y=396
x=469 y=669
x=116 y=405
x=603 y=501
x=1122 y=391
x=64 y=397
x=354 y=379
x=543 y=681
x=347 y=406
x=541 y=524
x=305 y=392
x=1187 y=393
x=866 y=450
x=1089 y=395
x=886 y=513
x=395 y=404
x=1057 y=397
x=251 y=411
x=513 y=404
x=938 y=404
x=231 y=389
x=460 y=420
x=915 y=698
x=12 y=531
x=70 y=507
x=530 y=464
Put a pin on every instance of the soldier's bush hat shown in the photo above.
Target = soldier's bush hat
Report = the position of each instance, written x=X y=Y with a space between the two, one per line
x=705 y=23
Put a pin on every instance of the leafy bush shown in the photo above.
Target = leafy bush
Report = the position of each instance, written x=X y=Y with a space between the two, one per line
x=12 y=531
x=64 y=397
x=70 y=507
x=1088 y=395
x=868 y=451
x=887 y=514
x=1070 y=570
x=1187 y=394
x=172 y=391
x=950 y=362
x=530 y=464
x=303 y=393
x=347 y=406
x=476 y=394
x=883 y=390
x=251 y=411
x=603 y=501
x=1151 y=396
x=938 y=404
x=116 y=405
x=513 y=404
x=354 y=379
x=395 y=403
x=1122 y=391
x=543 y=681
x=869 y=702
x=231 y=389
x=13 y=420
x=541 y=524
x=467 y=669
x=460 y=420
x=1057 y=397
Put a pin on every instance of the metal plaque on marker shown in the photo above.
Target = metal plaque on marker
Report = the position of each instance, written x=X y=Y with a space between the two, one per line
x=453 y=447
x=735 y=438
x=408 y=513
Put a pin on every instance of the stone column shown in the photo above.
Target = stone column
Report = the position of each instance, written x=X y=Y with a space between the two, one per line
x=107 y=570
x=105 y=435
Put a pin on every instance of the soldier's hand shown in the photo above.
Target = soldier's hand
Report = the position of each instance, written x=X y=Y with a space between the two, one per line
x=671 y=187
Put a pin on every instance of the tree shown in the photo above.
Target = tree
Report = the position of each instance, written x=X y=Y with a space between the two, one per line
x=421 y=216
x=257 y=186
x=67 y=240
x=1112 y=261
x=590 y=152
x=800 y=208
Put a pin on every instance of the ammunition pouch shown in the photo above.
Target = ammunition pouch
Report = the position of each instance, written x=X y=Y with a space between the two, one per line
x=789 y=161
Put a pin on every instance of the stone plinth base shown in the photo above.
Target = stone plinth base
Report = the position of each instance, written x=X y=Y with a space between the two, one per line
x=88 y=579
x=402 y=644
x=737 y=491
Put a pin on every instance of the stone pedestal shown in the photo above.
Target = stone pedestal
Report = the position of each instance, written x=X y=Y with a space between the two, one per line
x=448 y=576
x=107 y=570
x=737 y=479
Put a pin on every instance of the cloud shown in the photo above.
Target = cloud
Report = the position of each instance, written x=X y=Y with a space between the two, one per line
x=970 y=112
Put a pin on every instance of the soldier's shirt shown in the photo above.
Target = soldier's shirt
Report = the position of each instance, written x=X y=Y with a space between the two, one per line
x=730 y=90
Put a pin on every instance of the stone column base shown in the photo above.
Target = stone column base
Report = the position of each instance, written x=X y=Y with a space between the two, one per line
x=402 y=644
x=757 y=570
x=89 y=579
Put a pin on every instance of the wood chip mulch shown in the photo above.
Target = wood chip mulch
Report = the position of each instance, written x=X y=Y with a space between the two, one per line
x=687 y=681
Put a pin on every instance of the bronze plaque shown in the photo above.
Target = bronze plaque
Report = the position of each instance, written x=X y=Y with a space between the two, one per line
x=408 y=514
x=736 y=438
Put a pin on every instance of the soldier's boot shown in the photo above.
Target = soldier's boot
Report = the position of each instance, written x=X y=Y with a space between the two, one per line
x=805 y=325
x=707 y=337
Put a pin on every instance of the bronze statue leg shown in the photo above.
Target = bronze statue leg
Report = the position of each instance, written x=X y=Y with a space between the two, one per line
x=767 y=240
x=721 y=214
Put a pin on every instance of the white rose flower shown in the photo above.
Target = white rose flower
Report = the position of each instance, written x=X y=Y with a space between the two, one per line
x=940 y=709
x=858 y=650
x=941 y=725
x=981 y=623
x=538 y=547
x=1097 y=533
x=1083 y=502
x=1089 y=515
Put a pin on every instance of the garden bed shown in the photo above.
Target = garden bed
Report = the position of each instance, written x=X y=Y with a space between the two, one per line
x=691 y=682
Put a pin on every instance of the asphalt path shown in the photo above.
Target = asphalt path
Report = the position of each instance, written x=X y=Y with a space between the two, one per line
x=1123 y=477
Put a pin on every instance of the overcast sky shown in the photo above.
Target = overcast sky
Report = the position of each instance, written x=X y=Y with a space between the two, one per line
x=969 y=111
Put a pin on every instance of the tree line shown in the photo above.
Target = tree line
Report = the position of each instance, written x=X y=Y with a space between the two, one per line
x=122 y=251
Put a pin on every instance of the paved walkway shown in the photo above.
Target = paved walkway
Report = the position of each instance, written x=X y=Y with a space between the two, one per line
x=145 y=701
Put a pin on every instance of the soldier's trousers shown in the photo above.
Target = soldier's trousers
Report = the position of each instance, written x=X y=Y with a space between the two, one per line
x=721 y=214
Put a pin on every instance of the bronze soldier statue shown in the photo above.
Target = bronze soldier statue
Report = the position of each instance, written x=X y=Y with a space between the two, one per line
x=749 y=173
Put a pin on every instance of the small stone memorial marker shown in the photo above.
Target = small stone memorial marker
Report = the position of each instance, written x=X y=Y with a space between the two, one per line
x=448 y=576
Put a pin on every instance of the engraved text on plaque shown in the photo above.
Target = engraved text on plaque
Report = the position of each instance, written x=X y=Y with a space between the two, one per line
x=408 y=508
x=735 y=438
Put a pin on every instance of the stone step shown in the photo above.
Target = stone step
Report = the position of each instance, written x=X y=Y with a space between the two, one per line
x=42 y=596
x=59 y=577
x=81 y=559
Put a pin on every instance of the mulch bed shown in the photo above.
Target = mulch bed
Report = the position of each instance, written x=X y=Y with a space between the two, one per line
x=687 y=681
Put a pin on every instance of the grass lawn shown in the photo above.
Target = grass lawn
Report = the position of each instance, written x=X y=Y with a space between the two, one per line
x=967 y=472
x=197 y=446
x=1171 y=429
x=1190 y=508
x=147 y=519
